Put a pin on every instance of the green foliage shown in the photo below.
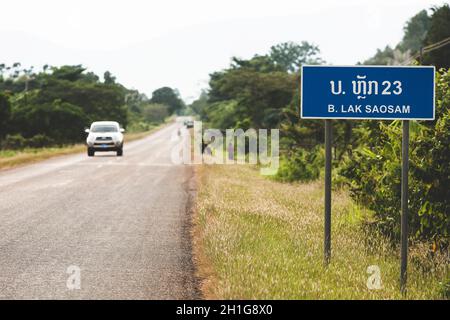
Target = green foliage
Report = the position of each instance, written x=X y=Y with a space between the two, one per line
x=261 y=93
x=381 y=57
x=5 y=113
x=18 y=142
x=40 y=141
x=439 y=30
x=69 y=73
x=258 y=63
x=373 y=172
x=98 y=101
x=142 y=114
x=198 y=106
x=301 y=165
x=431 y=166
x=168 y=97
x=307 y=134
x=290 y=56
x=60 y=121
x=154 y=113
x=223 y=115
x=251 y=92
x=415 y=32
x=14 y=142
x=109 y=78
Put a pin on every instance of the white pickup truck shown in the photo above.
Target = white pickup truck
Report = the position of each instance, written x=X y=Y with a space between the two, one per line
x=104 y=136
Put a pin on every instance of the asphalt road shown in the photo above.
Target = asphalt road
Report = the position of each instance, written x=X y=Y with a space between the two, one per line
x=123 y=222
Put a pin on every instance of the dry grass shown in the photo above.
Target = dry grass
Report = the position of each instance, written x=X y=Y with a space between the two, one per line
x=259 y=239
x=12 y=158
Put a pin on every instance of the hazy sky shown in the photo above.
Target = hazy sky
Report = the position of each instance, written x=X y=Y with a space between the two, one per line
x=177 y=43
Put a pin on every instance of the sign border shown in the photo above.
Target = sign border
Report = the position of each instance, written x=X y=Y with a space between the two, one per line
x=368 y=66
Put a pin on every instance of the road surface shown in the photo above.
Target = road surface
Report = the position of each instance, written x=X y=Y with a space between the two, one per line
x=123 y=223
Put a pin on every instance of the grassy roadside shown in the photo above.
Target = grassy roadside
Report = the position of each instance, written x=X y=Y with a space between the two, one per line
x=255 y=238
x=13 y=158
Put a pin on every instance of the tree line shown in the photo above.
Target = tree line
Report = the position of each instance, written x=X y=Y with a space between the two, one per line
x=263 y=92
x=53 y=105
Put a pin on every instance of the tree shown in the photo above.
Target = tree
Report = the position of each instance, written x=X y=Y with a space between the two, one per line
x=69 y=73
x=90 y=77
x=415 y=32
x=255 y=92
x=5 y=113
x=60 y=121
x=2 y=67
x=250 y=93
x=198 y=106
x=169 y=97
x=381 y=57
x=155 y=113
x=439 y=30
x=99 y=101
x=257 y=63
x=290 y=56
x=109 y=78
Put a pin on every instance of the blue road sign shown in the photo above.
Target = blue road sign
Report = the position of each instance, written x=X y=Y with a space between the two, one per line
x=367 y=92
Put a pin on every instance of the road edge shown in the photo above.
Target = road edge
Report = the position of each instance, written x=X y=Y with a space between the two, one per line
x=204 y=269
x=193 y=284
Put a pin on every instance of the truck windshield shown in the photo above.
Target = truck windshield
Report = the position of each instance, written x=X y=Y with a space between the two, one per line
x=104 y=128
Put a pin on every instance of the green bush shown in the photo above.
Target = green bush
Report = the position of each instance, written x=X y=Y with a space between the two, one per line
x=40 y=141
x=60 y=121
x=18 y=142
x=14 y=141
x=139 y=126
x=155 y=113
x=373 y=172
x=301 y=165
x=5 y=113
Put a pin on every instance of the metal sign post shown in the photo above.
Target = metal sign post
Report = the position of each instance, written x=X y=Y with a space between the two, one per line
x=404 y=204
x=327 y=235
x=368 y=92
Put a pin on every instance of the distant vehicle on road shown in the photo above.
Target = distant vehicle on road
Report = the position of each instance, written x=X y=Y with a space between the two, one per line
x=104 y=136
x=189 y=124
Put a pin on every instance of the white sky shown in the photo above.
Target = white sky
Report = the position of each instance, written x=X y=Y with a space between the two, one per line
x=177 y=43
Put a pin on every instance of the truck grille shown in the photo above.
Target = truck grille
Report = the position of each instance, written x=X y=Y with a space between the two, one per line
x=98 y=143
